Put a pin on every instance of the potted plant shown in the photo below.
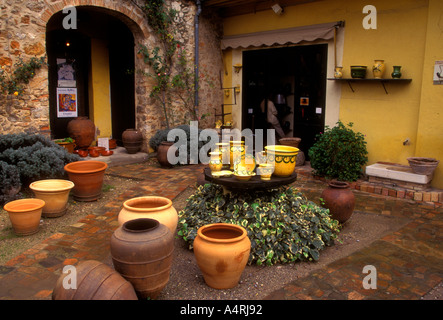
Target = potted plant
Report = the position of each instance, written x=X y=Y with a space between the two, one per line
x=67 y=143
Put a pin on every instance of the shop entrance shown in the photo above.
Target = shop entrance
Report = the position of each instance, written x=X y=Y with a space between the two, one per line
x=91 y=72
x=296 y=79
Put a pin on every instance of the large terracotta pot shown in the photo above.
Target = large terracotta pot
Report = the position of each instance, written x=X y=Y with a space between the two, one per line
x=95 y=281
x=162 y=153
x=339 y=199
x=25 y=215
x=153 y=207
x=141 y=252
x=55 y=193
x=88 y=179
x=82 y=130
x=222 y=252
x=132 y=140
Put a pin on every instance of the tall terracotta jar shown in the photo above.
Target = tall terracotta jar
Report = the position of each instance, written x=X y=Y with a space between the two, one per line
x=87 y=177
x=55 y=193
x=153 y=207
x=95 y=281
x=222 y=252
x=82 y=130
x=339 y=199
x=141 y=252
x=132 y=140
x=25 y=215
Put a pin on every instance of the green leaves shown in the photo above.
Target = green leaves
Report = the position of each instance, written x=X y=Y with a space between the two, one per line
x=282 y=224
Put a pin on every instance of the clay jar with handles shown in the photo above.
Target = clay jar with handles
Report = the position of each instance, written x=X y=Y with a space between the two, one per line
x=82 y=130
x=141 y=252
x=132 y=140
x=339 y=199
x=153 y=207
x=222 y=252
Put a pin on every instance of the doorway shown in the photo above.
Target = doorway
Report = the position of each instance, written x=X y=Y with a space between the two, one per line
x=296 y=79
x=99 y=55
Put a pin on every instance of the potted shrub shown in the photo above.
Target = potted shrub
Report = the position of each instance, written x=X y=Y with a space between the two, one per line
x=67 y=143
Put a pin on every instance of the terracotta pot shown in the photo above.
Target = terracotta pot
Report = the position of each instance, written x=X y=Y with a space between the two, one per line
x=95 y=281
x=112 y=143
x=82 y=130
x=293 y=142
x=162 y=154
x=153 y=207
x=69 y=146
x=339 y=199
x=55 y=193
x=88 y=179
x=25 y=215
x=222 y=252
x=132 y=140
x=141 y=252
x=424 y=166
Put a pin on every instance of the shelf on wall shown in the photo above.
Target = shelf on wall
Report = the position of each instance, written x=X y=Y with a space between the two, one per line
x=382 y=81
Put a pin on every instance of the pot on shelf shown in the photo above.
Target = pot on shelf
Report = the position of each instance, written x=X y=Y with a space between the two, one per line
x=55 y=193
x=87 y=177
x=378 y=69
x=422 y=165
x=141 y=251
x=222 y=252
x=132 y=140
x=339 y=199
x=95 y=281
x=153 y=207
x=82 y=130
x=25 y=215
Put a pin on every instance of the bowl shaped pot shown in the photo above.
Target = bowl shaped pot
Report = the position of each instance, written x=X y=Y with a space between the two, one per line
x=222 y=252
x=283 y=158
x=25 y=215
x=88 y=179
x=55 y=193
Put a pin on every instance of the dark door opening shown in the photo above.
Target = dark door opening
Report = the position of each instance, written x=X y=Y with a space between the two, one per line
x=74 y=47
x=296 y=78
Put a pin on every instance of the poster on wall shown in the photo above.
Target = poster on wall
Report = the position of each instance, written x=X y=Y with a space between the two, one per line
x=67 y=102
x=65 y=74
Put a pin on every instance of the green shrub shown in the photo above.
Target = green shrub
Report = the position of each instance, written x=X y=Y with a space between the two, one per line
x=339 y=153
x=9 y=182
x=282 y=224
x=34 y=157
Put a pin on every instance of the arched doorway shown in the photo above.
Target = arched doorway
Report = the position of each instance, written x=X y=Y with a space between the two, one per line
x=94 y=64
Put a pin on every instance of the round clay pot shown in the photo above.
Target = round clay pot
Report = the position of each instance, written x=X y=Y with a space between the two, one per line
x=222 y=252
x=88 y=179
x=95 y=281
x=132 y=140
x=339 y=199
x=55 y=193
x=153 y=207
x=82 y=130
x=25 y=215
x=162 y=154
x=141 y=252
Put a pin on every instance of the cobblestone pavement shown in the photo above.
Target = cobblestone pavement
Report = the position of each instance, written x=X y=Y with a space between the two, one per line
x=408 y=262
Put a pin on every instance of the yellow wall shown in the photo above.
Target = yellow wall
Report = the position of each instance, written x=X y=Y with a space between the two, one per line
x=99 y=95
x=409 y=33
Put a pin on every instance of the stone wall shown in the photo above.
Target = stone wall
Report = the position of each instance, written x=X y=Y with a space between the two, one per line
x=22 y=35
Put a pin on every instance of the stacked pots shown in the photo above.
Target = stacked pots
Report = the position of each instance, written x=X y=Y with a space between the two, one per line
x=141 y=251
x=222 y=252
x=94 y=281
x=88 y=179
x=132 y=140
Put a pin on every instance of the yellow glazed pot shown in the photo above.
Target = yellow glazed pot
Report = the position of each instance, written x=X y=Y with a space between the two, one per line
x=153 y=207
x=223 y=148
x=222 y=252
x=265 y=171
x=215 y=163
x=236 y=150
x=283 y=158
x=55 y=193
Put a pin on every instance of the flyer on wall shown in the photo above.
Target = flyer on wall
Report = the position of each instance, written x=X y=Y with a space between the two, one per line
x=67 y=102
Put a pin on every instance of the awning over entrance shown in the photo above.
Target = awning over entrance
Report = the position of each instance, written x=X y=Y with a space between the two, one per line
x=295 y=35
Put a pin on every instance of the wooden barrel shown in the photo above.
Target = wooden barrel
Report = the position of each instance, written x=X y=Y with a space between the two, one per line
x=94 y=281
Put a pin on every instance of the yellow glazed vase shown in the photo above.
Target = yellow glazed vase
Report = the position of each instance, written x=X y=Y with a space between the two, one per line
x=223 y=148
x=283 y=158
x=378 y=69
x=215 y=163
x=236 y=150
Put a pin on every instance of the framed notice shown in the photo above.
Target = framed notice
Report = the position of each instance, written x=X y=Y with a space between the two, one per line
x=65 y=74
x=67 y=102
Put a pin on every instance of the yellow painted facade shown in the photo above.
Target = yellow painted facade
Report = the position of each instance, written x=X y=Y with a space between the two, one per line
x=99 y=88
x=408 y=33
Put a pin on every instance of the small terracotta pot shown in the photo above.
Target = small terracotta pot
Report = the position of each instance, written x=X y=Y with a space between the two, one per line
x=153 y=207
x=55 y=193
x=162 y=153
x=222 y=252
x=25 y=215
x=88 y=179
